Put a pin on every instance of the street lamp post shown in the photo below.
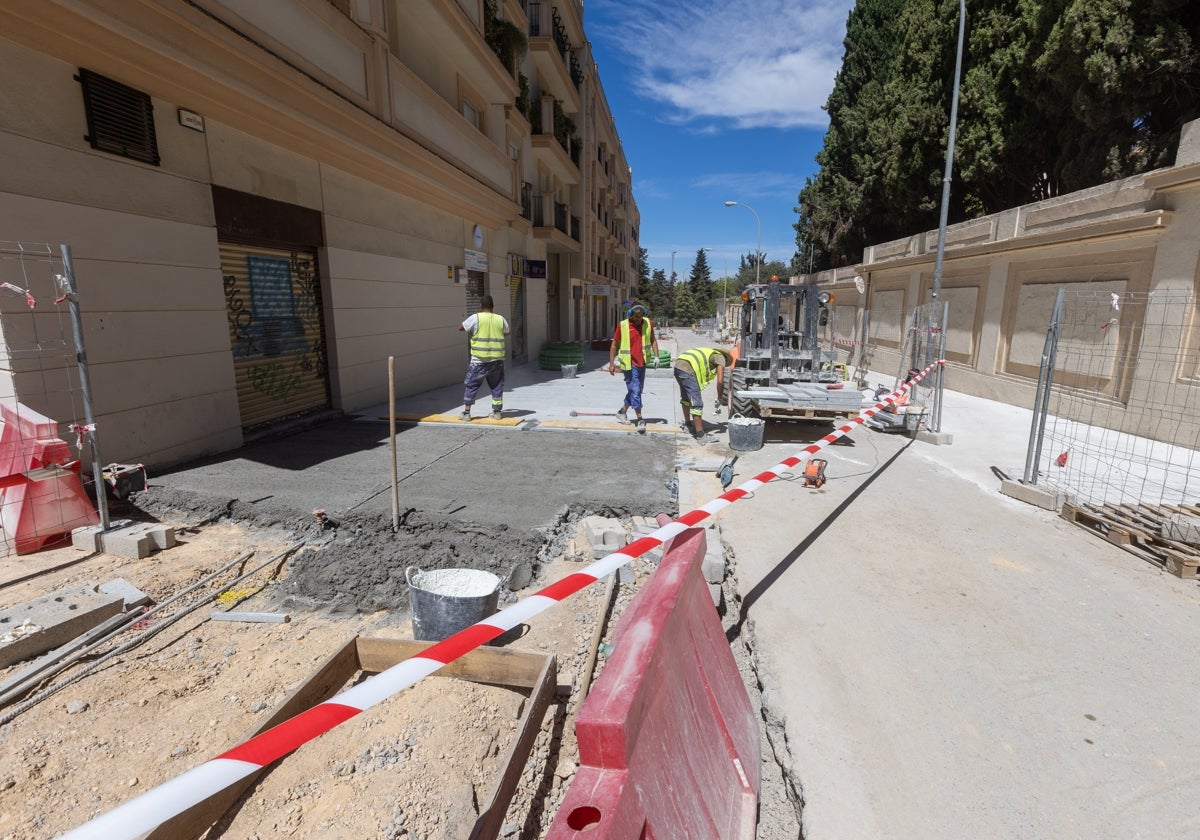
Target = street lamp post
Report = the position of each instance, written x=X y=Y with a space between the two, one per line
x=758 y=254
x=941 y=239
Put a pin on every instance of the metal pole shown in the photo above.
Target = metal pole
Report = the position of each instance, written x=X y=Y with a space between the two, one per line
x=85 y=385
x=941 y=241
x=940 y=382
x=725 y=297
x=758 y=254
x=392 y=426
x=1041 y=399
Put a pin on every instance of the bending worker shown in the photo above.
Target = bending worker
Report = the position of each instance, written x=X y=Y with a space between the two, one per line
x=694 y=369
x=633 y=344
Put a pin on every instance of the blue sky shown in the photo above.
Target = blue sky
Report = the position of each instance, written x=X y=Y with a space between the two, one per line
x=714 y=102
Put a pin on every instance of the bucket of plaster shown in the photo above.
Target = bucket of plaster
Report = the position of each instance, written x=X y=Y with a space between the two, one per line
x=568 y=371
x=746 y=433
x=445 y=601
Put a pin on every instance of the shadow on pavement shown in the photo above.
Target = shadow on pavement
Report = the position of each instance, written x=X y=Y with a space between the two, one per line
x=767 y=582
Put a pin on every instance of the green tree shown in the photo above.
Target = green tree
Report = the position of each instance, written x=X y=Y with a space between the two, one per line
x=700 y=282
x=686 y=307
x=841 y=206
x=1056 y=96
x=656 y=295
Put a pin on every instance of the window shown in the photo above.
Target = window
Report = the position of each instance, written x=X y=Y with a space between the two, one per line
x=120 y=120
x=473 y=114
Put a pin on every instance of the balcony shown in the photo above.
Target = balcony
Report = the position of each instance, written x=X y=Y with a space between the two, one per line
x=557 y=149
x=563 y=235
x=553 y=55
x=459 y=44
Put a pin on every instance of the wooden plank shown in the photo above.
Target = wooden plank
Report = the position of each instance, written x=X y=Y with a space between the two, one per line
x=491 y=818
x=323 y=684
x=1094 y=522
x=1182 y=567
x=492 y=666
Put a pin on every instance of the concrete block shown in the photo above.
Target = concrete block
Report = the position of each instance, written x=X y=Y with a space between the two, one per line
x=1182 y=527
x=713 y=564
x=604 y=533
x=714 y=589
x=127 y=542
x=163 y=536
x=1043 y=497
x=61 y=615
x=936 y=438
x=88 y=538
x=625 y=574
x=132 y=596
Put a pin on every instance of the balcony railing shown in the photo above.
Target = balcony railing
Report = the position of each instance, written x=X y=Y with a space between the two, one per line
x=527 y=200
x=560 y=217
x=575 y=228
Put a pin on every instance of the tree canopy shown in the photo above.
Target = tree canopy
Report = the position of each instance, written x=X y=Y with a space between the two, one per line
x=1056 y=96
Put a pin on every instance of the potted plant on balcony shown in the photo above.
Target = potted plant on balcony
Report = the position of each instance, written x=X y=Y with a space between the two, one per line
x=505 y=38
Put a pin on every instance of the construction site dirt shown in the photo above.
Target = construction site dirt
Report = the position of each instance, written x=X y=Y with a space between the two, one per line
x=418 y=765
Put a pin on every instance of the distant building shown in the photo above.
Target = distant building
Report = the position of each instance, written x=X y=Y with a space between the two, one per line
x=266 y=200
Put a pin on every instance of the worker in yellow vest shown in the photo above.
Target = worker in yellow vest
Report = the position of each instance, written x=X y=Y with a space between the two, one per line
x=487 y=331
x=694 y=369
x=634 y=345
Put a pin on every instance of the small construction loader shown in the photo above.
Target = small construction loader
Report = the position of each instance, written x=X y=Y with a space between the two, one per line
x=780 y=371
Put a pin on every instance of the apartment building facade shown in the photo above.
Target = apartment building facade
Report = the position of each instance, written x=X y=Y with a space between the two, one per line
x=266 y=201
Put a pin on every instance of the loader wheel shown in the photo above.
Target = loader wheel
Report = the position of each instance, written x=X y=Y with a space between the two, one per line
x=744 y=407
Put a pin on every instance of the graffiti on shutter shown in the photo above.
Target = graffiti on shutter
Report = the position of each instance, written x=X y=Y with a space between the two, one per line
x=272 y=299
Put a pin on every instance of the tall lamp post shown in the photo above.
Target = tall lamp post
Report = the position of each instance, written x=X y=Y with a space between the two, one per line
x=941 y=240
x=758 y=254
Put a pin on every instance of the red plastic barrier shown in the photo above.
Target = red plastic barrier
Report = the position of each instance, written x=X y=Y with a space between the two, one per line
x=41 y=496
x=668 y=740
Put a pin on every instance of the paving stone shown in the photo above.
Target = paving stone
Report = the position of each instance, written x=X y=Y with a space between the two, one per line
x=62 y=615
x=133 y=596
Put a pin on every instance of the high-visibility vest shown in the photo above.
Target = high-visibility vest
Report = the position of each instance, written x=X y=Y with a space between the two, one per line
x=487 y=343
x=624 y=360
x=698 y=358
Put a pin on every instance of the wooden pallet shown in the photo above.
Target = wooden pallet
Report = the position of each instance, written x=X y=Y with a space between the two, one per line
x=1138 y=530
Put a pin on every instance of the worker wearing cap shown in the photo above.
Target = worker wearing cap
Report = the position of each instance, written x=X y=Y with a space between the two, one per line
x=633 y=344
x=694 y=369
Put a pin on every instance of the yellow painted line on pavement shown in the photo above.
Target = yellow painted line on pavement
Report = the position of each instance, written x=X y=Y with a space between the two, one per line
x=479 y=420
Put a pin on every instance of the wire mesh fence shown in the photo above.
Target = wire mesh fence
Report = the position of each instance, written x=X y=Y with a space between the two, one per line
x=44 y=406
x=1115 y=421
x=910 y=339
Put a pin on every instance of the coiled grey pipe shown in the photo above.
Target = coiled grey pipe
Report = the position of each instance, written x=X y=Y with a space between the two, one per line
x=150 y=631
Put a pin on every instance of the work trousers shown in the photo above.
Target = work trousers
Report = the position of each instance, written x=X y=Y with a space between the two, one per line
x=491 y=371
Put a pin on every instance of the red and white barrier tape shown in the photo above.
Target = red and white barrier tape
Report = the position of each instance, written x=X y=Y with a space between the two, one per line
x=155 y=806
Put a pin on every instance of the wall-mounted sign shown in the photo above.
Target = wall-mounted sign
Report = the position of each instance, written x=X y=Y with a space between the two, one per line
x=535 y=269
x=516 y=265
x=598 y=289
x=475 y=260
x=192 y=120
x=478 y=234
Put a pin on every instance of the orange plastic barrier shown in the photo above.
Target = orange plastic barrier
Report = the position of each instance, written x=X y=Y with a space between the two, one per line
x=41 y=496
x=668 y=740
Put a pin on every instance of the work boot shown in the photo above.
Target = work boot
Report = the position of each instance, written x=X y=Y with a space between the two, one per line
x=622 y=417
x=641 y=426
x=465 y=416
x=496 y=415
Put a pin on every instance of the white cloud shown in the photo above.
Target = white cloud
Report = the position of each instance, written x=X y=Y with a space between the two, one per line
x=759 y=63
x=751 y=184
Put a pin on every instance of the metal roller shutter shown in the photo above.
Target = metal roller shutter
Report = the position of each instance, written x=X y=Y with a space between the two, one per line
x=273 y=301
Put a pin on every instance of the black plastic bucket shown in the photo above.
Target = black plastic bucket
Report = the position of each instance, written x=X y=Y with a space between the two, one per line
x=746 y=433
x=445 y=601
